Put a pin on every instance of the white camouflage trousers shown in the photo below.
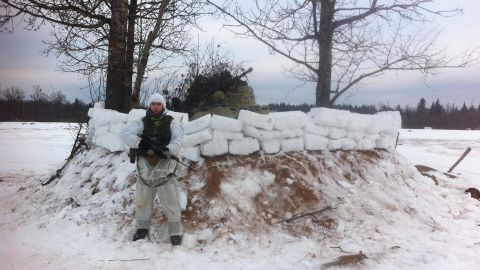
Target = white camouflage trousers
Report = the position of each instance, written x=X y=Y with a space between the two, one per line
x=167 y=193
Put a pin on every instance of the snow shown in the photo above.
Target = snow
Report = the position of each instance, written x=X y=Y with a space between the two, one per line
x=26 y=148
x=397 y=217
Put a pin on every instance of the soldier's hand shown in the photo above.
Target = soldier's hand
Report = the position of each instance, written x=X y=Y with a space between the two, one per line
x=143 y=145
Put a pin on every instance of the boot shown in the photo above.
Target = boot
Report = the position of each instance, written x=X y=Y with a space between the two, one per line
x=176 y=240
x=140 y=234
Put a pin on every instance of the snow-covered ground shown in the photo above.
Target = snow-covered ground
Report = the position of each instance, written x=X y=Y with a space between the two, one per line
x=443 y=233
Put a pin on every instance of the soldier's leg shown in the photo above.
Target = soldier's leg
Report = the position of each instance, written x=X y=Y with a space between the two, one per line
x=143 y=205
x=169 y=197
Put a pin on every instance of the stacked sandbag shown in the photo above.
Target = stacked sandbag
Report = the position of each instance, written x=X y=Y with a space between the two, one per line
x=105 y=127
x=258 y=128
x=225 y=130
x=325 y=129
x=348 y=131
x=385 y=129
x=290 y=125
x=195 y=133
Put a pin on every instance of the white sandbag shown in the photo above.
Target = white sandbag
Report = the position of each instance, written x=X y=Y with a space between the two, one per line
x=347 y=144
x=181 y=118
x=196 y=138
x=295 y=144
x=191 y=153
x=355 y=135
x=292 y=133
x=392 y=131
x=136 y=114
x=314 y=129
x=111 y=142
x=104 y=116
x=214 y=148
x=197 y=124
x=101 y=130
x=270 y=147
x=334 y=145
x=289 y=120
x=329 y=117
x=380 y=122
x=116 y=128
x=245 y=146
x=385 y=142
x=394 y=117
x=225 y=123
x=260 y=134
x=337 y=133
x=227 y=135
x=263 y=121
x=365 y=144
x=359 y=122
x=315 y=142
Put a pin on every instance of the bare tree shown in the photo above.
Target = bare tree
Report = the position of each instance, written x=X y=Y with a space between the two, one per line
x=37 y=95
x=339 y=43
x=106 y=35
x=12 y=94
x=57 y=97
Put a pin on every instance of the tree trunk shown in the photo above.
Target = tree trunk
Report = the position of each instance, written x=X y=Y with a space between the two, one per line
x=142 y=63
x=116 y=70
x=322 y=91
x=128 y=98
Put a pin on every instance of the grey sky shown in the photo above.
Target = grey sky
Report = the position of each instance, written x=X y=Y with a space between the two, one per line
x=22 y=65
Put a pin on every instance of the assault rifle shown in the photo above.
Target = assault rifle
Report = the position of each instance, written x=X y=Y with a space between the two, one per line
x=160 y=150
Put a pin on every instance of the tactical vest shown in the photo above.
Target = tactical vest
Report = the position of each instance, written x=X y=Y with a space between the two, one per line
x=158 y=127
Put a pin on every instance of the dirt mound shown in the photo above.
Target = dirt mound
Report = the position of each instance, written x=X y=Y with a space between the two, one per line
x=295 y=190
x=310 y=193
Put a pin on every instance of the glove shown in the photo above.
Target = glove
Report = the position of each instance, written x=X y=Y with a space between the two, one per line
x=143 y=145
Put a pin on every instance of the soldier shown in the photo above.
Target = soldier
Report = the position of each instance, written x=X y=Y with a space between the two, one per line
x=156 y=137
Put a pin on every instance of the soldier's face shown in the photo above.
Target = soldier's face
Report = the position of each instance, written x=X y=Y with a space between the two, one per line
x=156 y=107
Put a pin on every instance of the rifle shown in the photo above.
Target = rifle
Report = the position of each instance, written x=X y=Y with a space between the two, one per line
x=160 y=150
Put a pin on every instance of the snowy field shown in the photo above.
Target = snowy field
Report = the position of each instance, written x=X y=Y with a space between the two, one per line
x=32 y=150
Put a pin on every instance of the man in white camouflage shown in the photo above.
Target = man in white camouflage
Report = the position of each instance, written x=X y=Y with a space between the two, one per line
x=156 y=137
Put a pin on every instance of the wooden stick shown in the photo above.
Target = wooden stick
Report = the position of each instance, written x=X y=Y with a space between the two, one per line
x=396 y=142
x=460 y=159
x=303 y=214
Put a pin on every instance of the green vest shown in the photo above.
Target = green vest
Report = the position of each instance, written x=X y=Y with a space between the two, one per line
x=158 y=127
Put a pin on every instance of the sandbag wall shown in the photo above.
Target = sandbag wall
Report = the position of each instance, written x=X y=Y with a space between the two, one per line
x=213 y=135
x=319 y=129
x=105 y=126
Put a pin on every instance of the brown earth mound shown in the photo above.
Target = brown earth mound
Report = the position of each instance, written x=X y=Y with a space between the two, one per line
x=292 y=193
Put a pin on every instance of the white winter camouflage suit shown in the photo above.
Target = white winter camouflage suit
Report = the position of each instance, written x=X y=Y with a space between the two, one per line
x=168 y=193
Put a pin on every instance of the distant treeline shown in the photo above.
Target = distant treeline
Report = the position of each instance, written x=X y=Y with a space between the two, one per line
x=41 y=107
x=32 y=111
x=55 y=108
x=437 y=115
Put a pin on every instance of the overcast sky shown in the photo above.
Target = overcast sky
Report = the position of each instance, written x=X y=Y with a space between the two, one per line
x=22 y=65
